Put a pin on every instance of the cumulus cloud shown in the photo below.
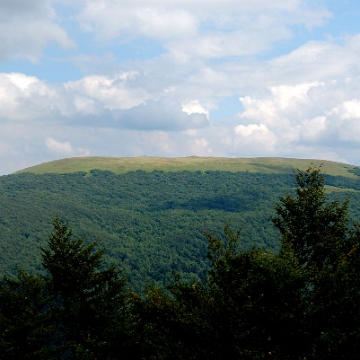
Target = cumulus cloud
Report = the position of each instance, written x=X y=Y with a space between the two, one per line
x=94 y=101
x=289 y=119
x=25 y=97
x=127 y=19
x=347 y=110
x=255 y=136
x=320 y=60
x=58 y=147
x=281 y=107
x=301 y=99
x=27 y=26
x=197 y=28
x=165 y=114
x=200 y=147
x=194 y=107
x=64 y=148
x=114 y=92
x=314 y=128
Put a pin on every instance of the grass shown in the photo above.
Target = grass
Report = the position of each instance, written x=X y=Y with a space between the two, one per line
x=120 y=165
x=330 y=189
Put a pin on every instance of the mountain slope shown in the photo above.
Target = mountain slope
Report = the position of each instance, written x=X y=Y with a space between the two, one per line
x=151 y=222
x=120 y=165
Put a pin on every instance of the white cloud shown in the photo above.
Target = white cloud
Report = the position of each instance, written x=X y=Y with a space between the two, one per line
x=320 y=60
x=94 y=101
x=254 y=135
x=83 y=152
x=347 y=110
x=25 y=97
x=165 y=114
x=191 y=132
x=111 y=19
x=237 y=43
x=208 y=29
x=113 y=92
x=21 y=81
x=26 y=27
x=158 y=142
x=85 y=105
x=194 y=107
x=249 y=130
x=312 y=129
x=58 y=147
x=259 y=110
x=64 y=148
x=200 y=147
x=288 y=118
x=281 y=107
x=300 y=99
x=285 y=94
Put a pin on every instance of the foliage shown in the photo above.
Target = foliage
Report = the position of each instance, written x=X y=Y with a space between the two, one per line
x=326 y=246
x=254 y=303
x=315 y=229
x=301 y=303
x=24 y=322
x=88 y=305
x=75 y=311
x=250 y=308
x=150 y=223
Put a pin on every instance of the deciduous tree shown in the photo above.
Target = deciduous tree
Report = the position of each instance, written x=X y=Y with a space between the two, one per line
x=326 y=246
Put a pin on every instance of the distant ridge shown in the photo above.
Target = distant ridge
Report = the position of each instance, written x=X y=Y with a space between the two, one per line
x=120 y=165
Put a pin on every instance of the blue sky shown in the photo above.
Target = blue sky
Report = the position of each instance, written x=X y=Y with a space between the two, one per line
x=233 y=78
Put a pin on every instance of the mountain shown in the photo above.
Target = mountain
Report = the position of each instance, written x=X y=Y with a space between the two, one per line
x=120 y=165
x=150 y=213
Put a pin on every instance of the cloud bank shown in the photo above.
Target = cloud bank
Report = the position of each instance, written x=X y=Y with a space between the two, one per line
x=179 y=78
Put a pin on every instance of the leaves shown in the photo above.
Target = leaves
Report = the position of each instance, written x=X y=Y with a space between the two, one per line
x=299 y=303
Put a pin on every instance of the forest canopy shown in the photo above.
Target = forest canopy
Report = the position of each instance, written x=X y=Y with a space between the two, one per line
x=298 y=303
x=151 y=223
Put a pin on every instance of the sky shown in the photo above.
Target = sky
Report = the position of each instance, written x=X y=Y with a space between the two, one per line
x=227 y=78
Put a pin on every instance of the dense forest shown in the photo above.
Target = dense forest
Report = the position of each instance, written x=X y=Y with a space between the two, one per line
x=300 y=302
x=151 y=223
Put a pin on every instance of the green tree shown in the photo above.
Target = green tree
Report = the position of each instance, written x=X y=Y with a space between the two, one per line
x=89 y=306
x=301 y=303
x=248 y=308
x=24 y=321
x=176 y=324
x=316 y=230
x=257 y=301
x=326 y=247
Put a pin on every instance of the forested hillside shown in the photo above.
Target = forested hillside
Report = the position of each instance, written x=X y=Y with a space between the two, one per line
x=151 y=223
x=298 y=303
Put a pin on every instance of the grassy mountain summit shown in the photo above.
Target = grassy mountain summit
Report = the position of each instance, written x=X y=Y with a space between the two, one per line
x=121 y=165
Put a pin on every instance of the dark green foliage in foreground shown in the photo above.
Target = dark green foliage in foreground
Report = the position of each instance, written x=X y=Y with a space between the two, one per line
x=328 y=255
x=301 y=303
x=24 y=324
x=87 y=306
x=75 y=311
x=298 y=303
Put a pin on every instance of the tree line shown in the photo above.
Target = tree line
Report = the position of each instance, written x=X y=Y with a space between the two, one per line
x=298 y=303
